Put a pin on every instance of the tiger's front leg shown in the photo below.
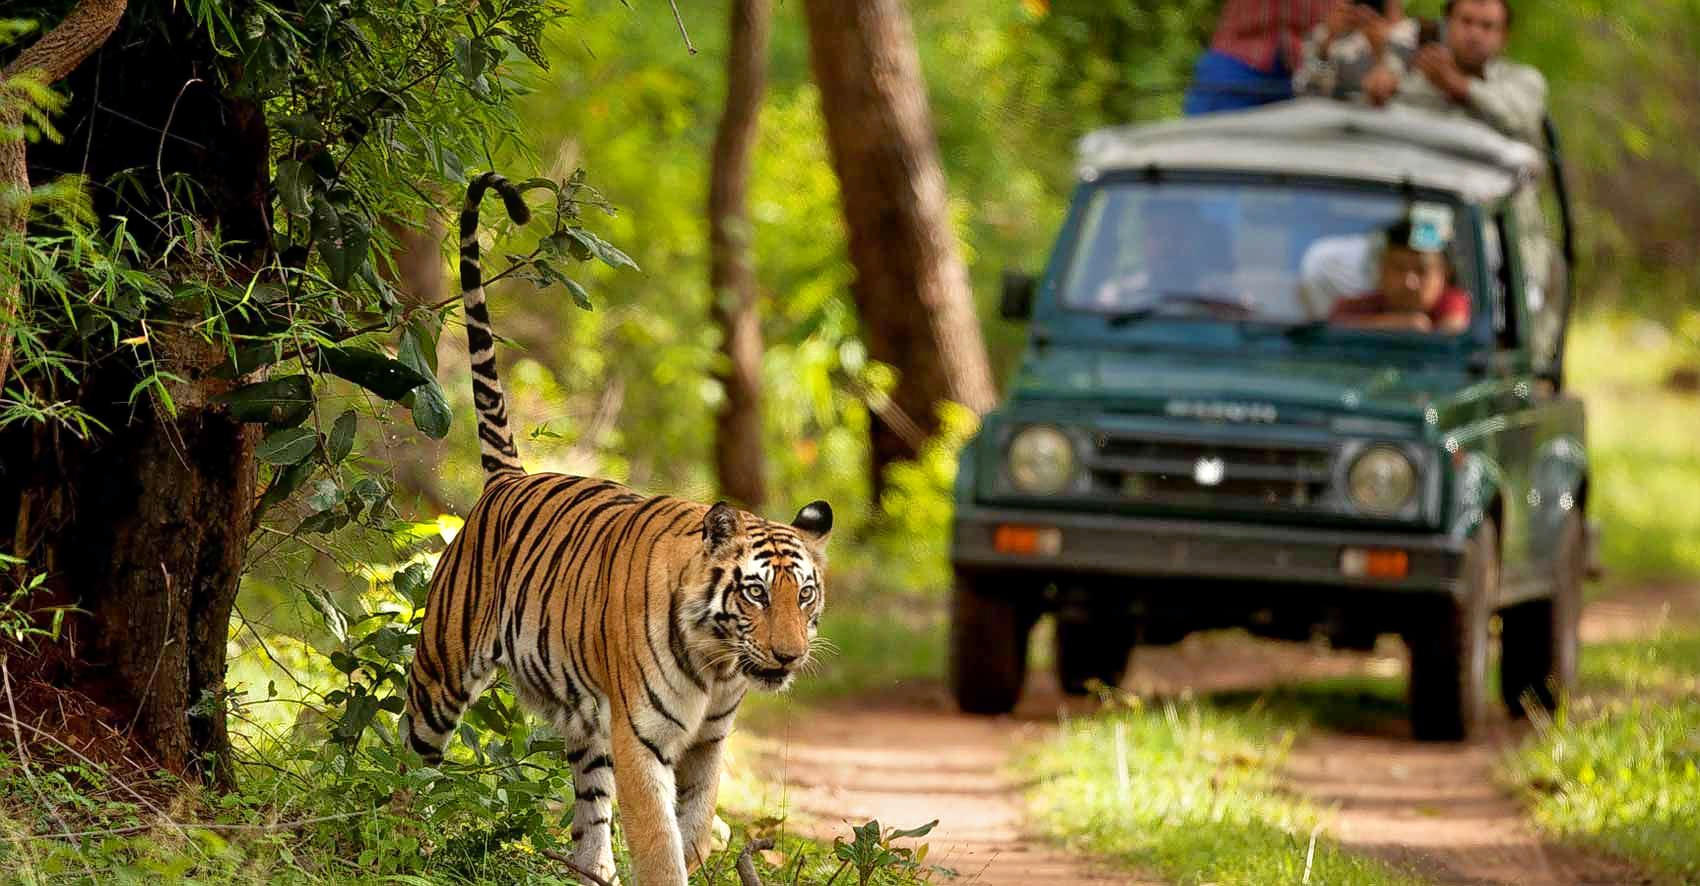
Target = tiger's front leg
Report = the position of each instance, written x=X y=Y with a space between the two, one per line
x=643 y=778
x=698 y=776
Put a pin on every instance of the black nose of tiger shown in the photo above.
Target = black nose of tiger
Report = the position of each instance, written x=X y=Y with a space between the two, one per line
x=786 y=658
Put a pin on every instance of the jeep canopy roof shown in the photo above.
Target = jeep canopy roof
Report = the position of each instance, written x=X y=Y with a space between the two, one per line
x=1324 y=138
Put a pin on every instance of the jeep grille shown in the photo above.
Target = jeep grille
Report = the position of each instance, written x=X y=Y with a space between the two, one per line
x=1248 y=475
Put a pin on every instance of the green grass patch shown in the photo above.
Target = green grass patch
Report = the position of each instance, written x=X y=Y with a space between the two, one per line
x=1618 y=768
x=1200 y=801
x=1644 y=454
x=1668 y=663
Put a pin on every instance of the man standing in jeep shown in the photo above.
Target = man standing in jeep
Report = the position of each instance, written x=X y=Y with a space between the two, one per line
x=1468 y=73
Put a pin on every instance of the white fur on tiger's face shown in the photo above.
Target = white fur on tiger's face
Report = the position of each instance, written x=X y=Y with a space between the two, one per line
x=765 y=593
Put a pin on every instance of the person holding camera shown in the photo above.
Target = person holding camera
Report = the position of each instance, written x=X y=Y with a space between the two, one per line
x=1357 y=39
x=1466 y=72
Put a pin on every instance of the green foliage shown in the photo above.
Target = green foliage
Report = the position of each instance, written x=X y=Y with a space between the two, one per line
x=1188 y=791
x=378 y=111
x=1616 y=769
x=18 y=622
x=1645 y=465
x=872 y=850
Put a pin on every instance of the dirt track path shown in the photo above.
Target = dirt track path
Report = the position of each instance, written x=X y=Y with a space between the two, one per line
x=908 y=757
x=905 y=756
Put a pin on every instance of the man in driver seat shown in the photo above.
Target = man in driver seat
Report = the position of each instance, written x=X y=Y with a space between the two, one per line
x=1416 y=293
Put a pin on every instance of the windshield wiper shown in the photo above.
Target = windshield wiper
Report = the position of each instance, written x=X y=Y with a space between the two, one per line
x=1168 y=297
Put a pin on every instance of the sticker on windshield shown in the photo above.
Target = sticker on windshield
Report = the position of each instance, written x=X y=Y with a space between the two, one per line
x=1431 y=226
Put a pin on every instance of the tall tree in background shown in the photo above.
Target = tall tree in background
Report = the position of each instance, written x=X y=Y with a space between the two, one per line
x=911 y=288
x=738 y=459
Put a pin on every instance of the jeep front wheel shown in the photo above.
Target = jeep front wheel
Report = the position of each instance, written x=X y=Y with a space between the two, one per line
x=1539 y=644
x=1448 y=640
x=988 y=646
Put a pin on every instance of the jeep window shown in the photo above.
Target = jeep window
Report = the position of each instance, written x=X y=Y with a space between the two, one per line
x=1278 y=253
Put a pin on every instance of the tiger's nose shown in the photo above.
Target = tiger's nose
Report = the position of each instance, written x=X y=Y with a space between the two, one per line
x=786 y=658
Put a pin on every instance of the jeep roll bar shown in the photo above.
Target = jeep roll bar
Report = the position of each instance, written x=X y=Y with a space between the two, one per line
x=1567 y=245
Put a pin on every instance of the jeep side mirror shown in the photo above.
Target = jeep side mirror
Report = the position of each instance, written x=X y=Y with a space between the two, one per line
x=1018 y=289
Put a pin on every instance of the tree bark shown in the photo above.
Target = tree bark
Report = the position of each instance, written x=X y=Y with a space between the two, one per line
x=911 y=288
x=145 y=530
x=144 y=526
x=738 y=455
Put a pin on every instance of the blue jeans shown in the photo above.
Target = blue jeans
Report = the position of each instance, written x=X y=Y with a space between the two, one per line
x=1224 y=83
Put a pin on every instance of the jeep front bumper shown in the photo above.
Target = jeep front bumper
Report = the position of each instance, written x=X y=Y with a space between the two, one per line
x=1104 y=544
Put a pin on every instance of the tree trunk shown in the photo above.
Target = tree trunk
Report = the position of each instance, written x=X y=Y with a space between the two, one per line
x=911 y=288
x=418 y=257
x=145 y=530
x=144 y=525
x=738 y=458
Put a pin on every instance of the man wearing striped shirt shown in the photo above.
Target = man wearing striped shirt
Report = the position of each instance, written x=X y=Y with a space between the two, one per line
x=1257 y=46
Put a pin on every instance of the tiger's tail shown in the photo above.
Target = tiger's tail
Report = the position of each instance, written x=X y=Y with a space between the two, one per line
x=495 y=441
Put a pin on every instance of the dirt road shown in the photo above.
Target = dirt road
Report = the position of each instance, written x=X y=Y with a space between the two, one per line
x=905 y=756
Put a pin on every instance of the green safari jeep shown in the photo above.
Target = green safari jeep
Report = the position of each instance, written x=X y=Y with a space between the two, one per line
x=1213 y=427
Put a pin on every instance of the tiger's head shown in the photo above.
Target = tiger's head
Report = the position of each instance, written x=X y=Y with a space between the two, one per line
x=765 y=592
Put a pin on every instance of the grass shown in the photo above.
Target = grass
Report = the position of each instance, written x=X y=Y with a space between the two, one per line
x=1200 y=801
x=1618 y=769
x=1644 y=452
x=239 y=839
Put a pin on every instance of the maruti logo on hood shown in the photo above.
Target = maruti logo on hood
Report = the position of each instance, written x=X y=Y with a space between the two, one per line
x=1222 y=410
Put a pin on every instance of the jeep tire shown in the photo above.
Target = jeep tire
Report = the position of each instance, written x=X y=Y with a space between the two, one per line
x=1091 y=649
x=1539 y=644
x=988 y=645
x=1448 y=640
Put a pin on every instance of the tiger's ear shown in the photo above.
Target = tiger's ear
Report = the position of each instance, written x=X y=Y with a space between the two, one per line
x=720 y=527
x=814 y=523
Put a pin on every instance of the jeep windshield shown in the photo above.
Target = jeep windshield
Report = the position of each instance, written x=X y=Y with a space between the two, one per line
x=1301 y=257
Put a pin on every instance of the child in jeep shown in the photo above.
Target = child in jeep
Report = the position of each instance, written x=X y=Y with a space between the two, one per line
x=1416 y=291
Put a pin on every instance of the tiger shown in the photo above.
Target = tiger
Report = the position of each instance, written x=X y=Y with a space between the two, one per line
x=633 y=624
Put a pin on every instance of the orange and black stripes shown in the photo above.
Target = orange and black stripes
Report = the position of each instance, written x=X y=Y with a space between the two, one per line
x=495 y=441
x=634 y=623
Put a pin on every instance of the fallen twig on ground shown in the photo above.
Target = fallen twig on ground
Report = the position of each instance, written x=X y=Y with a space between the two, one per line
x=746 y=863
x=594 y=880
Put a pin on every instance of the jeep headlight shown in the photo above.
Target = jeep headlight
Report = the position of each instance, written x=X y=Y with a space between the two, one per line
x=1382 y=480
x=1041 y=461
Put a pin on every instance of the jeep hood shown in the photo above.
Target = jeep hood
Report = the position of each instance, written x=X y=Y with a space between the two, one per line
x=1149 y=382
